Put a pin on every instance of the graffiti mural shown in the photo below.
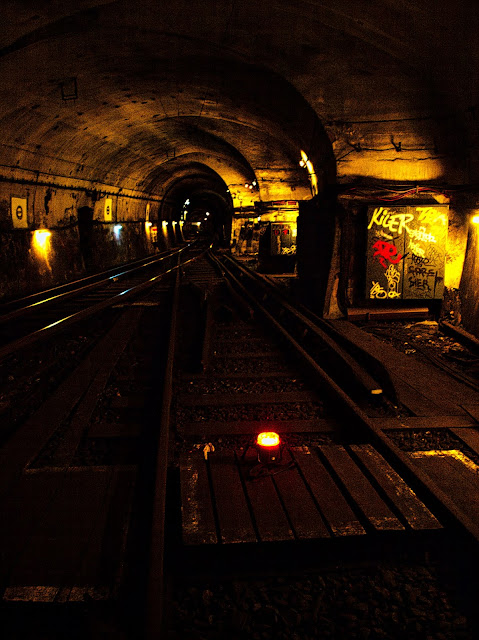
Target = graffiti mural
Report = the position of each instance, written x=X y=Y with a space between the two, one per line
x=406 y=252
x=386 y=251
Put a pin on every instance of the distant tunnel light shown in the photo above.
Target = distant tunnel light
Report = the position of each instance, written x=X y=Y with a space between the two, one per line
x=148 y=224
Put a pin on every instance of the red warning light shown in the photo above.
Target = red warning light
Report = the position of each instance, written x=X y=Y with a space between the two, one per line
x=268 y=445
x=268 y=439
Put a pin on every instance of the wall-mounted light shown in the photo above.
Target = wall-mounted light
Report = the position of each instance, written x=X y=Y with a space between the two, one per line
x=305 y=162
x=41 y=244
x=40 y=238
x=475 y=219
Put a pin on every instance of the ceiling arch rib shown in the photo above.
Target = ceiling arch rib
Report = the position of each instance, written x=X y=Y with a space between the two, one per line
x=125 y=126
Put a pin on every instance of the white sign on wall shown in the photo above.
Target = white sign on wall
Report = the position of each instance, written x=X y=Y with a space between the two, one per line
x=108 y=210
x=19 y=213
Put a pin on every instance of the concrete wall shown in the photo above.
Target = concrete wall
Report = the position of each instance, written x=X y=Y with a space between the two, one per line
x=27 y=266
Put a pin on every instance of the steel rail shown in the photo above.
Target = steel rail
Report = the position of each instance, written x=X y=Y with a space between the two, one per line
x=339 y=358
x=155 y=604
x=56 y=295
x=368 y=361
x=156 y=585
x=57 y=326
x=440 y=503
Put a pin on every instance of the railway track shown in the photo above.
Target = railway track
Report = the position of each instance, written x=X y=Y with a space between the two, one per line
x=340 y=489
x=143 y=459
x=80 y=414
x=24 y=321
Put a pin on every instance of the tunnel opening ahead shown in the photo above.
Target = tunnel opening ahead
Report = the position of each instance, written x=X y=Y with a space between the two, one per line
x=201 y=202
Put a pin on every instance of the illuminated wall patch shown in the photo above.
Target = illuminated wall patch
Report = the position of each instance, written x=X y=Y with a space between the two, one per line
x=42 y=246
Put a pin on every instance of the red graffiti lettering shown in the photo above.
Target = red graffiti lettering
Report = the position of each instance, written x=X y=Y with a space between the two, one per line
x=386 y=251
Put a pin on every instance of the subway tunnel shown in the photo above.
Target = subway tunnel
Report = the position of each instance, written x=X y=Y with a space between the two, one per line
x=352 y=124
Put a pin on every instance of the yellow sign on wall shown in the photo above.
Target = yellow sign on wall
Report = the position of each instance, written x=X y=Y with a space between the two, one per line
x=108 y=210
x=19 y=213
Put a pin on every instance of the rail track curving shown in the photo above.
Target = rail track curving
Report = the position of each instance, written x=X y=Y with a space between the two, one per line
x=147 y=443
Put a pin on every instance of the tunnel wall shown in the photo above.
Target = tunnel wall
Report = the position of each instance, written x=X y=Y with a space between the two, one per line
x=469 y=286
x=26 y=266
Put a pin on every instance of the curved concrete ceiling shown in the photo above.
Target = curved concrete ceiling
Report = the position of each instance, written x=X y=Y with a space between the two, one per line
x=133 y=94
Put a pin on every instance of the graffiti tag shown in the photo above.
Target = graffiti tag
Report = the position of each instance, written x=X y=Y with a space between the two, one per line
x=393 y=276
x=429 y=215
x=421 y=234
x=416 y=249
x=420 y=260
x=386 y=251
x=394 y=222
x=420 y=284
x=421 y=271
x=377 y=291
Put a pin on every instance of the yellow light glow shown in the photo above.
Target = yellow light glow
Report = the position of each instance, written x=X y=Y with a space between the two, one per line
x=42 y=247
x=456 y=454
x=164 y=224
x=40 y=238
x=148 y=224
x=306 y=162
x=268 y=439
x=475 y=219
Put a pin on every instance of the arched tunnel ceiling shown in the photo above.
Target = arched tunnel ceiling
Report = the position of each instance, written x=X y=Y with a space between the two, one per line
x=238 y=86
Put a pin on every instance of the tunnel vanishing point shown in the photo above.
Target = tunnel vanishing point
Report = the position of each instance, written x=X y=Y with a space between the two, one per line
x=338 y=139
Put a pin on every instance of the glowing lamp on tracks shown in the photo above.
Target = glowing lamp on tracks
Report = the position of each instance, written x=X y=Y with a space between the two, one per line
x=268 y=446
